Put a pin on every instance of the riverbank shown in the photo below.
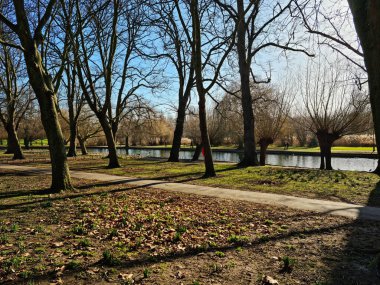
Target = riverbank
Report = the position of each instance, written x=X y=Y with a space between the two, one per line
x=343 y=186
x=338 y=151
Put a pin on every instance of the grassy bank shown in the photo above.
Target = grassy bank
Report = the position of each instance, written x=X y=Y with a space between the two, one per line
x=347 y=186
x=113 y=233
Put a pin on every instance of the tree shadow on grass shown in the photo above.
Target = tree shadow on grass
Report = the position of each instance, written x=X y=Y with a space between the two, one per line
x=148 y=260
x=361 y=255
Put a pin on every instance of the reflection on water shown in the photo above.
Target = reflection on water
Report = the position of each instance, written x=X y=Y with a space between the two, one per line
x=359 y=164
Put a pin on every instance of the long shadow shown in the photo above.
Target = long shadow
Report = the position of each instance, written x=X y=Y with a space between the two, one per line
x=360 y=258
x=72 y=195
x=148 y=260
x=198 y=175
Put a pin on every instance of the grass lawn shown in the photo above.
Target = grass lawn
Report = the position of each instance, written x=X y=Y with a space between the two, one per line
x=118 y=234
x=346 y=186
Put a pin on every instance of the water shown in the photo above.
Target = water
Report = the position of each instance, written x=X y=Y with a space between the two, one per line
x=342 y=163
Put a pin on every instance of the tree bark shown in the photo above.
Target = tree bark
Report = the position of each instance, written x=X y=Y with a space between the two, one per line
x=82 y=144
x=366 y=14
x=126 y=145
x=113 y=160
x=178 y=132
x=13 y=142
x=41 y=82
x=325 y=141
x=197 y=152
x=197 y=56
x=73 y=134
x=209 y=164
x=264 y=143
x=250 y=156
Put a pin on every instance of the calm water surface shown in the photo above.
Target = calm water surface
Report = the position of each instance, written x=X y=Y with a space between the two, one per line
x=358 y=164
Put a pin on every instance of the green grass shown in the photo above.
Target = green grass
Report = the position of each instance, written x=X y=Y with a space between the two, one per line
x=37 y=142
x=347 y=186
x=334 y=149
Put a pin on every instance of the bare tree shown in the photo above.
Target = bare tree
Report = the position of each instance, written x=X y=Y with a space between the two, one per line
x=208 y=25
x=15 y=97
x=88 y=127
x=170 y=42
x=261 y=25
x=29 y=29
x=74 y=102
x=366 y=21
x=110 y=72
x=334 y=107
x=272 y=108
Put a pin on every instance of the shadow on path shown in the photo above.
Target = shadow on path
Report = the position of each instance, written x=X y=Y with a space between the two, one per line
x=359 y=261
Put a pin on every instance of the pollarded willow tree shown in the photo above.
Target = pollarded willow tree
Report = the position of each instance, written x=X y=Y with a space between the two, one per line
x=334 y=107
x=28 y=20
x=272 y=107
x=331 y=26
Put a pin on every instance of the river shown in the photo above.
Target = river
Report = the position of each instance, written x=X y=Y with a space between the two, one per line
x=308 y=161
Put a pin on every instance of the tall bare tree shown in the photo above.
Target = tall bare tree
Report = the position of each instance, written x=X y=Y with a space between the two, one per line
x=261 y=25
x=211 y=42
x=169 y=41
x=104 y=36
x=29 y=27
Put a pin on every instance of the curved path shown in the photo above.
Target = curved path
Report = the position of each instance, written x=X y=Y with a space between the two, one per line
x=321 y=206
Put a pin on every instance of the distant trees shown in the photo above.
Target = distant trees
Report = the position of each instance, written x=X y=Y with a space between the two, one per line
x=334 y=107
x=272 y=107
x=15 y=97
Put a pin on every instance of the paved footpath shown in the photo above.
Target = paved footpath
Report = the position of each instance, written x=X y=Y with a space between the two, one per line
x=321 y=206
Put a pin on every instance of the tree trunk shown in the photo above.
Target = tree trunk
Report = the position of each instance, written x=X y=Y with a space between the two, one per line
x=126 y=145
x=328 y=157
x=60 y=169
x=13 y=142
x=178 y=132
x=250 y=156
x=42 y=85
x=209 y=164
x=264 y=143
x=322 y=155
x=73 y=134
x=113 y=160
x=325 y=141
x=82 y=144
x=366 y=14
x=197 y=152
